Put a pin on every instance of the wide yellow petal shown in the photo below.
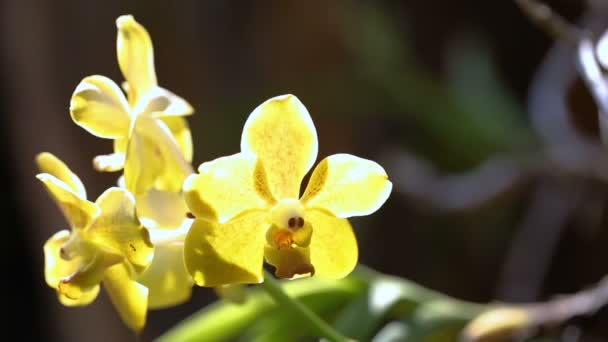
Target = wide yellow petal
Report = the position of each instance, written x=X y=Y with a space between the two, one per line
x=129 y=298
x=231 y=253
x=347 y=186
x=167 y=279
x=86 y=298
x=159 y=102
x=154 y=159
x=118 y=228
x=226 y=187
x=78 y=211
x=281 y=133
x=333 y=247
x=135 y=57
x=181 y=132
x=161 y=209
x=99 y=106
x=48 y=163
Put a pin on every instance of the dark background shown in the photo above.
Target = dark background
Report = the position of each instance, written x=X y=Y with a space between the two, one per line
x=491 y=143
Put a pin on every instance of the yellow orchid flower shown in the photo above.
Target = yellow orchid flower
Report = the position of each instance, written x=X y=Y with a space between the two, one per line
x=248 y=206
x=100 y=107
x=164 y=213
x=106 y=244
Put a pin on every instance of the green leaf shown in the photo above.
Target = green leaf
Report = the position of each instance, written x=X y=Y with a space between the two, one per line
x=222 y=321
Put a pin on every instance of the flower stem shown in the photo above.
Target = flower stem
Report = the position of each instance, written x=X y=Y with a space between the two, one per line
x=274 y=289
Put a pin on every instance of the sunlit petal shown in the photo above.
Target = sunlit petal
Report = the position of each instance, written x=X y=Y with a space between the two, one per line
x=86 y=298
x=129 y=297
x=120 y=145
x=55 y=267
x=333 y=247
x=154 y=159
x=78 y=211
x=135 y=57
x=226 y=187
x=114 y=161
x=181 y=132
x=167 y=280
x=109 y=162
x=281 y=133
x=158 y=102
x=161 y=209
x=233 y=252
x=48 y=163
x=99 y=106
x=118 y=228
x=89 y=274
x=347 y=186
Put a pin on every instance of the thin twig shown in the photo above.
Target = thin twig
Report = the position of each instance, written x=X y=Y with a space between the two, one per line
x=508 y=322
x=561 y=309
x=555 y=25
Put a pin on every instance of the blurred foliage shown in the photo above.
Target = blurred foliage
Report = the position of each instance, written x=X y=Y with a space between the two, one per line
x=466 y=118
x=360 y=306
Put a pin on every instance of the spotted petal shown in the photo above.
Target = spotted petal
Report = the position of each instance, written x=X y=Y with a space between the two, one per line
x=226 y=187
x=78 y=211
x=118 y=228
x=347 y=186
x=219 y=254
x=99 y=106
x=129 y=297
x=281 y=133
x=333 y=247
x=135 y=57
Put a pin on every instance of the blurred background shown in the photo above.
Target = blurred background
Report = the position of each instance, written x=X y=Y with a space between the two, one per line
x=490 y=138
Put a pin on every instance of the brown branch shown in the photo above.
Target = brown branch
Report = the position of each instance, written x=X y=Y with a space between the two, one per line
x=554 y=24
x=561 y=309
x=586 y=59
x=507 y=322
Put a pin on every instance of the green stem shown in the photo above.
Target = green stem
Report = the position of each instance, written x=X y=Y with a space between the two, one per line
x=274 y=289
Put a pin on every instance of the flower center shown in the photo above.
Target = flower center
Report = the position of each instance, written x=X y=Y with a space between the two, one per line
x=288 y=227
x=288 y=213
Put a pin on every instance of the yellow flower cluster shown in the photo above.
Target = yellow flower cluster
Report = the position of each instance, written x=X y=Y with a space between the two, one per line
x=138 y=239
